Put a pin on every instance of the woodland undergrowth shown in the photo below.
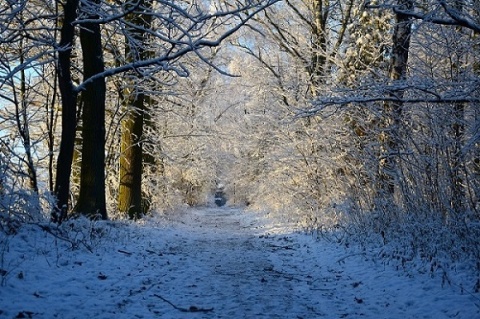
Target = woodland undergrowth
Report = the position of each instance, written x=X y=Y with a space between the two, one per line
x=411 y=242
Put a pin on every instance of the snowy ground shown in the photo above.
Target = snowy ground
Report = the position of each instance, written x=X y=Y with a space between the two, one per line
x=209 y=263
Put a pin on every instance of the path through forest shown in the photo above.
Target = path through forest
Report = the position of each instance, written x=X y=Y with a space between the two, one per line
x=242 y=270
x=212 y=263
x=242 y=265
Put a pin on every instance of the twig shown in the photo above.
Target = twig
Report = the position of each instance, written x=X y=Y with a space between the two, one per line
x=347 y=256
x=281 y=247
x=282 y=274
x=153 y=252
x=57 y=235
x=191 y=309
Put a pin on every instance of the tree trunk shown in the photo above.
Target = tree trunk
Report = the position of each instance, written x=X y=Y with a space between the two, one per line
x=91 y=201
x=320 y=10
x=131 y=159
x=130 y=191
x=456 y=162
x=458 y=132
x=393 y=110
x=24 y=125
x=69 y=100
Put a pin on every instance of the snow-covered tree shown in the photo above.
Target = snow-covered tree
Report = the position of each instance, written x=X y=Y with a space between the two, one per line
x=177 y=29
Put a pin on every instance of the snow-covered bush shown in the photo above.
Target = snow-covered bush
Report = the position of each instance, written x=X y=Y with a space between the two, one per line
x=17 y=203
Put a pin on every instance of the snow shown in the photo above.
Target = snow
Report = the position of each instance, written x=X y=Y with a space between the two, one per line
x=209 y=263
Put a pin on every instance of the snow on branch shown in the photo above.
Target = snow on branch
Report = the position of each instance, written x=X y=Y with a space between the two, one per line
x=442 y=13
x=177 y=32
x=413 y=92
x=463 y=19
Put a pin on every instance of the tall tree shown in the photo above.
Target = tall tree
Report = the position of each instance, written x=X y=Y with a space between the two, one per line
x=299 y=54
x=457 y=165
x=393 y=109
x=320 y=11
x=461 y=16
x=178 y=28
x=174 y=23
x=68 y=95
x=91 y=200
x=131 y=147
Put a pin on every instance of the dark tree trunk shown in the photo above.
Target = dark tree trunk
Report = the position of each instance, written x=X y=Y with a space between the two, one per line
x=91 y=201
x=457 y=166
x=456 y=162
x=393 y=110
x=69 y=100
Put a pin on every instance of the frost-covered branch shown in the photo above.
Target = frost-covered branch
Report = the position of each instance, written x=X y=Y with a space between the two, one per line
x=186 y=37
x=448 y=16
x=413 y=92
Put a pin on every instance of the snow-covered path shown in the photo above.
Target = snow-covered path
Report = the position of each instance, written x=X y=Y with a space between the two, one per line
x=212 y=263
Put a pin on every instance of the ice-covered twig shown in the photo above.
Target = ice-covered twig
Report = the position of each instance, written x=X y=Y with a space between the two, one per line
x=190 y=309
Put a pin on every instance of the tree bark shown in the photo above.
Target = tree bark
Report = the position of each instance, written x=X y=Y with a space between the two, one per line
x=131 y=158
x=458 y=132
x=24 y=126
x=69 y=119
x=393 y=110
x=320 y=11
x=91 y=201
x=130 y=190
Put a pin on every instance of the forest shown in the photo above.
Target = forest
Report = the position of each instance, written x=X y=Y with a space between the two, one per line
x=356 y=119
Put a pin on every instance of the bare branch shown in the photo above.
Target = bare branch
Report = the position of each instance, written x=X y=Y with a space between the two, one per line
x=187 y=41
x=451 y=16
x=412 y=92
